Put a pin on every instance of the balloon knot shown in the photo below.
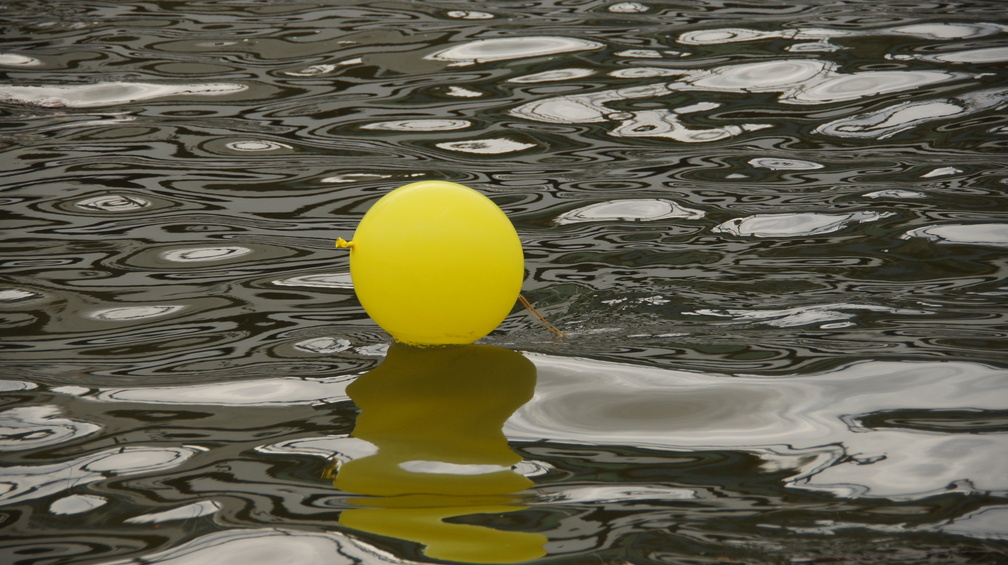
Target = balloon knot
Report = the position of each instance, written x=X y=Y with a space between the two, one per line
x=340 y=242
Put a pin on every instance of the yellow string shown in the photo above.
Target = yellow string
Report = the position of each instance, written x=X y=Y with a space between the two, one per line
x=535 y=313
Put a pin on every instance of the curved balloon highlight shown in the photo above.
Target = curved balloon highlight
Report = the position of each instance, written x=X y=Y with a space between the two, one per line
x=436 y=263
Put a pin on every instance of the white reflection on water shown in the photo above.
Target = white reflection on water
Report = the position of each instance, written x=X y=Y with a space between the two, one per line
x=323 y=280
x=129 y=313
x=17 y=295
x=113 y=203
x=781 y=164
x=187 y=512
x=15 y=60
x=263 y=392
x=809 y=423
x=822 y=46
x=444 y=468
x=809 y=81
x=462 y=92
x=341 y=448
x=27 y=482
x=801 y=422
x=15 y=386
x=897 y=193
x=354 y=177
x=993 y=235
x=32 y=427
x=941 y=172
x=641 y=210
x=553 y=76
x=76 y=504
x=973 y=56
x=666 y=124
x=323 y=345
x=602 y=494
x=891 y=120
x=502 y=49
x=490 y=146
x=739 y=35
x=107 y=93
x=988 y=523
x=645 y=72
x=322 y=69
x=948 y=30
x=205 y=254
x=796 y=225
x=796 y=81
x=419 y=125
x=640 y=53
x=257 y=145
x=924 y=30
x=786 y=75
x=313 y=70
x=826 y=315
x=269 y=546
x=470 y=15
x=628 y=8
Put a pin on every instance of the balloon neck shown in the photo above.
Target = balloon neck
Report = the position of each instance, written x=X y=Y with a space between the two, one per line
x=340 y=243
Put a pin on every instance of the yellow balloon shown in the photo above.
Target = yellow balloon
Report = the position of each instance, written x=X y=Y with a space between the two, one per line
x=436 y=263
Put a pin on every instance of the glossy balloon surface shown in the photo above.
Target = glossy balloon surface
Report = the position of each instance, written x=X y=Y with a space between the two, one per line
x=436 y=263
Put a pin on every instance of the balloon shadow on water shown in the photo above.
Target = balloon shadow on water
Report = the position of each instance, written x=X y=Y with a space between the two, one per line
x=435 y=418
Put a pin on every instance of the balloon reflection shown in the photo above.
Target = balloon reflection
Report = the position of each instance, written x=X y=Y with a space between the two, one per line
x=434 y=417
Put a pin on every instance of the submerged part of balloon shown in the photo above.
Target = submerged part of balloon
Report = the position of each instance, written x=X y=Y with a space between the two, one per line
x=435 y=418
x=436 y=263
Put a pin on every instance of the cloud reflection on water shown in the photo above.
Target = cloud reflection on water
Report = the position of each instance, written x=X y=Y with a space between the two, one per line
x=801 y=422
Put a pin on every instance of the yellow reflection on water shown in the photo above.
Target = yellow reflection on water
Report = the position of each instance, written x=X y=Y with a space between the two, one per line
x=435 y=417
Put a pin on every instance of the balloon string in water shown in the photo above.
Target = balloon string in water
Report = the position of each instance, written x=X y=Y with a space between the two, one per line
x=542 y=319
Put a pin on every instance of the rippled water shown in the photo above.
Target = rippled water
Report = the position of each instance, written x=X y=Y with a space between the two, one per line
x=775 y=233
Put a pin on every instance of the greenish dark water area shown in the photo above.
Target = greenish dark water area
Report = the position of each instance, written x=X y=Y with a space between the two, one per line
x=775 y=232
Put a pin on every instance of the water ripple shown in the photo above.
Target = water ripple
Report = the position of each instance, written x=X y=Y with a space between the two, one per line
x=487 y=50
x=38 y=481
x=802 y=415
x=269 y=392
x=629 y=210
x=994 y=235
x=269 y=546
x=31 y=427
x=773 y=233
x=889 y=121
x=796 y=225
x=107 y=94
x=187 y=512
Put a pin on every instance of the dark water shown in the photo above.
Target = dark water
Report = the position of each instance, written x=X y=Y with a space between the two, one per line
x=775 y=233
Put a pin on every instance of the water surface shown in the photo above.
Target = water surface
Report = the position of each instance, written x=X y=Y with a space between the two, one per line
x=775 y=233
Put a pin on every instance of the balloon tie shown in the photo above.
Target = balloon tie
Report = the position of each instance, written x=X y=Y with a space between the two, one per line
x=542 y=319
x=340 y=243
